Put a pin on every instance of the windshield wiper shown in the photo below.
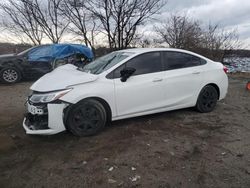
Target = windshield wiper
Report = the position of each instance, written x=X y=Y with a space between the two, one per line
x=108 y=62
x=80 y=68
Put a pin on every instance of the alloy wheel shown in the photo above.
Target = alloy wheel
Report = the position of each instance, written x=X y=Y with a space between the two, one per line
x=10 y=75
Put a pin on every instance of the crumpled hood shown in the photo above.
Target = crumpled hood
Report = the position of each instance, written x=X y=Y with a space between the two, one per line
x=61 y=78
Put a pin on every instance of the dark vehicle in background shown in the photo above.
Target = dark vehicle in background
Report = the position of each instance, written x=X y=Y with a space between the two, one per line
x=37 y=61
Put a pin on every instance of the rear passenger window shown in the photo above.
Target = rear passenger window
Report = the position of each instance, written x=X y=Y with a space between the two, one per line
x=178 y=60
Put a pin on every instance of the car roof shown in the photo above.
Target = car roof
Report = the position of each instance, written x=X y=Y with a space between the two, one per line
x=145 y=50
x=63 y=44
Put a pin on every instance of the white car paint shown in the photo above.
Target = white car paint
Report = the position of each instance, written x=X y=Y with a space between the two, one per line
x=131 y=96
x=61 y=78
x=55 y=121
x=139 y=95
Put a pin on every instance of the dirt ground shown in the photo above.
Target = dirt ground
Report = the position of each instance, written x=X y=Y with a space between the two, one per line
x=181 y=148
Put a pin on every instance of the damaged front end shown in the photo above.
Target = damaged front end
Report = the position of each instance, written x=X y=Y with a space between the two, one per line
x=45 y=113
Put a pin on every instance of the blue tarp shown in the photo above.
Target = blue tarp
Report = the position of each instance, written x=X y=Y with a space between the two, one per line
x=58 y=51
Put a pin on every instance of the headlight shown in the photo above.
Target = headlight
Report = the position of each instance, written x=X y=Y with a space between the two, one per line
x=48 y=97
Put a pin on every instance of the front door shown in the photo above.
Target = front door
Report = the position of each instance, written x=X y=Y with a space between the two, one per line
x=143 y=91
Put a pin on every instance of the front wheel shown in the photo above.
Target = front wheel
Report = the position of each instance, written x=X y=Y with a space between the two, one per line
x=86 y=118
x=207 y=99
x=10 y=75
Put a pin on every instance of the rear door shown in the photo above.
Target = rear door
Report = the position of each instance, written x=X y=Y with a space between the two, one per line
x=143 y=91
x=183 y=78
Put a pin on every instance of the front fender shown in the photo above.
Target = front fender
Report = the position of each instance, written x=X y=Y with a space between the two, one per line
x=11 y=63
x=99 y=89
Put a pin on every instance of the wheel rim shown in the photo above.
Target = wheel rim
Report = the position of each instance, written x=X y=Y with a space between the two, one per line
x=86 y=118
x=10 y=75
x=209 y=99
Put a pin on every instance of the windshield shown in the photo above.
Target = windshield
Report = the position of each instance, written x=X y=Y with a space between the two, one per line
x=26 y=51
x=105 y=62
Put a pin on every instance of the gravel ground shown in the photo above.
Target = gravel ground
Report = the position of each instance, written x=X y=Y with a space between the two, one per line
x=181 y=148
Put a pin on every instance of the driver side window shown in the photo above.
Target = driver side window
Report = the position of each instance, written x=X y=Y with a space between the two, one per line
x=146 y=63
x=143 y=64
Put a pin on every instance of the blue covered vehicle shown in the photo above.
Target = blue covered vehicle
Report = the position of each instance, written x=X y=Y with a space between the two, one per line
x=39 y=60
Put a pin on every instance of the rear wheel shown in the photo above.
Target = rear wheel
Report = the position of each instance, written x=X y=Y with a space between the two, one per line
x=10 y=75
x=86 y=118
x=207 y=99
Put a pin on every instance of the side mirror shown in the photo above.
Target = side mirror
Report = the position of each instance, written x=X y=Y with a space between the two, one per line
x=126 y=73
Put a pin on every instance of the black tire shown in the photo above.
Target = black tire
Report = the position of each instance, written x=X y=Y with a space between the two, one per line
x=10 y=75
x=86 y=118
x=207 y=99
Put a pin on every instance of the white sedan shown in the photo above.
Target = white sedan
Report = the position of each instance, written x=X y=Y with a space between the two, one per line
x=123 y=84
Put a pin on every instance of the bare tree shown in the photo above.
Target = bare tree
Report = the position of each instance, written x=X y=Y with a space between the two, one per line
x=218 y=41
x=82 y=22
x=180 y=32
x=144 y=40
x=18 y=20
x=120 y=18
x=50 y=18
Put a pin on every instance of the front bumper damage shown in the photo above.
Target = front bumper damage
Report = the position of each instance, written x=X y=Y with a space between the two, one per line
x=46 y=119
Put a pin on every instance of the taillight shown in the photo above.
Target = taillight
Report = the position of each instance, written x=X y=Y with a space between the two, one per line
x=225 y=69
x=248 y=86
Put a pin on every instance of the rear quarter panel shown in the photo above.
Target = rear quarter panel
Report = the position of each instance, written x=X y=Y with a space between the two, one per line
x=213 y=73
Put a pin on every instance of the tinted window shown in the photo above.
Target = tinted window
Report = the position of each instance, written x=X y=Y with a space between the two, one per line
x=117 y=71
x=177 y=60
x=146 y=63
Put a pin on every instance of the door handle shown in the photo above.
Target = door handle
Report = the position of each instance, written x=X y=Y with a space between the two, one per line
x=157 y=80
x=196 y=72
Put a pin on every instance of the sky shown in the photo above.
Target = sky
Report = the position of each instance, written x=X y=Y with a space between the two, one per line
x=229 y=14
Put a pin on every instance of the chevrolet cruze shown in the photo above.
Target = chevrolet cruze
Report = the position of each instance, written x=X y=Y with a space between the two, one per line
x=123 y=84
